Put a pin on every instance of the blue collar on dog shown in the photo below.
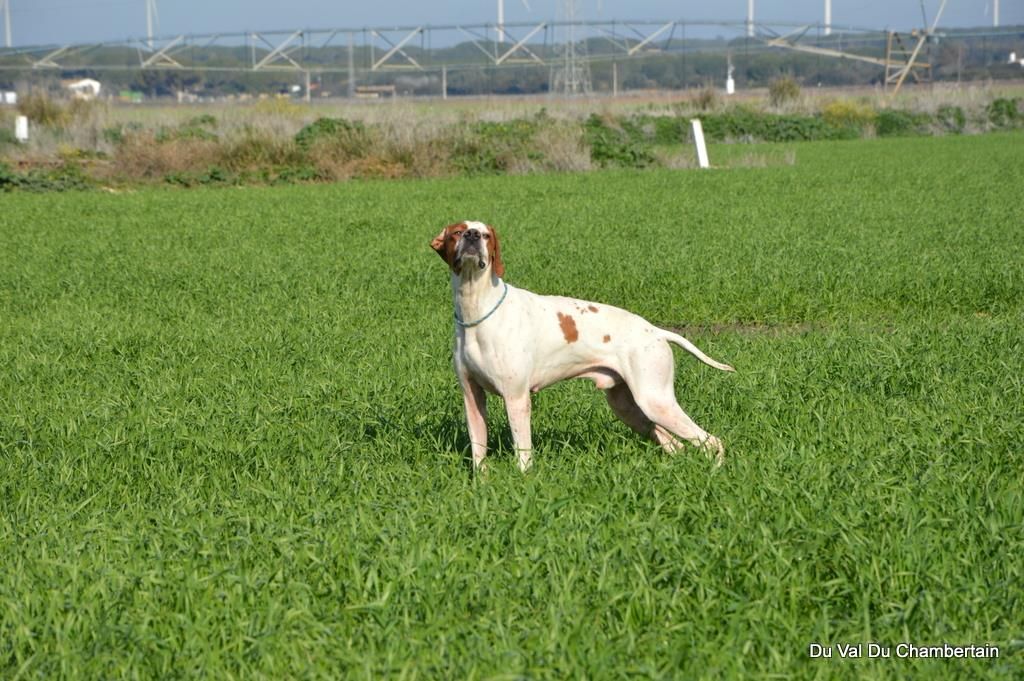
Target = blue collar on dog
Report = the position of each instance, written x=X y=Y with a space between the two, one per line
x=467 y=325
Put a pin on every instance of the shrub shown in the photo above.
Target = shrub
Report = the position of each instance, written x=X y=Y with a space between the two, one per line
x=185 y=132
x=63 y=178
x=82 y=110
x=256 y=150
x=349 y=139
x=303 y=173
x=211 y=176
x=898 y=123
x=138 y=155
x=745 y=124
x=670 y=129
x=951 y=119
x=707 y=99
x=783 y=90
x=490 y=148
x=847 y=114
x=115 y=134
x=202 y=120
x=7 y=137
x=620 y=145
x=564 y=146
x=42 y=110
x=8 y=178
x=1004 y=113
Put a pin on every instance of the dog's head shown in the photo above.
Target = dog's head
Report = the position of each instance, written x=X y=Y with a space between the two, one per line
x=471 y=245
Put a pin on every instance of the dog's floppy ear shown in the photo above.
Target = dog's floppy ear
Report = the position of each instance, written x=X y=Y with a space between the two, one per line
x=445 y=246
x=438 y=245
x=495 y=253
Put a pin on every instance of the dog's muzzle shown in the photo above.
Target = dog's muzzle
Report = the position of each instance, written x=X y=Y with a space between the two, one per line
x=472 y=244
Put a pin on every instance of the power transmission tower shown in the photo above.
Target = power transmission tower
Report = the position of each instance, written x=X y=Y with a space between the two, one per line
x=571 y=75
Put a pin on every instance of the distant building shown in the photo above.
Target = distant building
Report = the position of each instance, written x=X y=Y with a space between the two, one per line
x=87 y=88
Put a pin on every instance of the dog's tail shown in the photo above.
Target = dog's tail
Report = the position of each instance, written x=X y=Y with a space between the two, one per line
x=693 y=350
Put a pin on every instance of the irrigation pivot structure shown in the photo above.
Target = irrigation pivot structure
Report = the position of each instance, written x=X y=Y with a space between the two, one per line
x=565 y=48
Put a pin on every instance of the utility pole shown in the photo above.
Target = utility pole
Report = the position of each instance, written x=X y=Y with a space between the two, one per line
x=351 y=65
x=7 y=21
x=828 y=17
x=750 y=18
x=150 y=16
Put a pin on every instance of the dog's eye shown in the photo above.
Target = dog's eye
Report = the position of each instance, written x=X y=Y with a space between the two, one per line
x=487 y=236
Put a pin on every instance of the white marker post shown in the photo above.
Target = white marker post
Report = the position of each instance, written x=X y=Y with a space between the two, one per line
x=21 y=128
x=698 y=140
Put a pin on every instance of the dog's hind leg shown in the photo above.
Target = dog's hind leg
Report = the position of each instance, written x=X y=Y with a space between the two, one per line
x=620 y=399
x=650 y=378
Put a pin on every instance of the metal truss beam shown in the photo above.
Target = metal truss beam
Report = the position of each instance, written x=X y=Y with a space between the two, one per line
x=388 y=47
x=521 y=45
x=640 y=45
x=277 y=53
x=611 y=38
x=49 y=61
x=396 y=48
x=162 y=57
x=786 y=42
x=475 y=38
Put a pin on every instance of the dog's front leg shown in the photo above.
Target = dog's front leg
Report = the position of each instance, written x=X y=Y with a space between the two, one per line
x=476 y=419
x=518 y=409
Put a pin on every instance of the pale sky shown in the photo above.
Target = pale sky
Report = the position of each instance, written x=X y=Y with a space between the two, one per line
x=37 y=22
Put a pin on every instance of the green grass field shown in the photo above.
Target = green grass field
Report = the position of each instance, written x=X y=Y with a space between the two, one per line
x=232 y=444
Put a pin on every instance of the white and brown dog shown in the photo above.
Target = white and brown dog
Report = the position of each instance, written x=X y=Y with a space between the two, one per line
x=512 y=342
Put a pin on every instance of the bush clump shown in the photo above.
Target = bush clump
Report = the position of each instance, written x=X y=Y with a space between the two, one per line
x=1004 y=113
x=7 y=137
x=898 y=123
x=41 y=110
x=845 y=114
x=783 y=90
x=617 y=143
x=491 y=148
x=707 y=99
x=63 y=178
x=347 y=138
x=951 y=119
x=747 y=125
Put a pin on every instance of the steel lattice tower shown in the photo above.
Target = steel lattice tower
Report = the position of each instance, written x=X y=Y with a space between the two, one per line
x=571 y=74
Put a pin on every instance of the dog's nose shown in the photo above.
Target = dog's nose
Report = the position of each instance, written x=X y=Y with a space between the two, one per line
x=471 y=235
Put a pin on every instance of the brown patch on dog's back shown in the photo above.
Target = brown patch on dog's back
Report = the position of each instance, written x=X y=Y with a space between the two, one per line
x=568 y=325
x=607 y=338
x=592 y=308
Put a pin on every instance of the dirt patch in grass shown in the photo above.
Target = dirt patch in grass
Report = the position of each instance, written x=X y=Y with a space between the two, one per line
x=748 y=329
